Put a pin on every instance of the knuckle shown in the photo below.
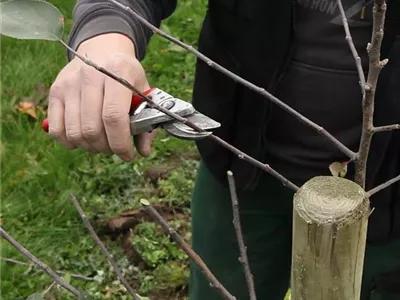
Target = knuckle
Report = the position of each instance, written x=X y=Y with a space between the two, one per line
x=88 y=75
x=56 y=91
x=116 y=64
x=123 y=65
x=74 y=135
x=55 y=132
x=112 y=116
x=62 y=85
x=91 y=132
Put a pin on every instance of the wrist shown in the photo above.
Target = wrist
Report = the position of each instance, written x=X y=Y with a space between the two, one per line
x=108 y=42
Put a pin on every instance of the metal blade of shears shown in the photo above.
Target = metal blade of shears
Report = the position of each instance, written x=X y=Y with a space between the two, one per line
x=185 y=132
x=146 y=118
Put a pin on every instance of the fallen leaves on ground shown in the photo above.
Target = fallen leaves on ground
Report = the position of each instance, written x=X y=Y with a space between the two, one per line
x=35 y=102
x=29 y=108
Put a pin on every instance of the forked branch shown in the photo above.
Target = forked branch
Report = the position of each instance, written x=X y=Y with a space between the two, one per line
x=375 y=67
x=368 y=89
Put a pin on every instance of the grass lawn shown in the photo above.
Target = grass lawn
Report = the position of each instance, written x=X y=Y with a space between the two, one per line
x=37 y=177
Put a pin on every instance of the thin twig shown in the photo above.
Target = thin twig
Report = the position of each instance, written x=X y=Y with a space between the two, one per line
x=353 y=49
x=39 y=263
x=255 y=162
x=375 y=67
x=103 y=248
x=188 y=123
x=383 y=186
x=189 y=251
x=345 y=150
x=386 y=128
x=17 y=262
x=243 y=259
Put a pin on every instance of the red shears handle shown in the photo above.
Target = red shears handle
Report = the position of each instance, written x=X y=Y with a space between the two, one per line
x=135 y=102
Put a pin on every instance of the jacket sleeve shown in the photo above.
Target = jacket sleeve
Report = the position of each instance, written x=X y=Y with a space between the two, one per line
x=95 y=17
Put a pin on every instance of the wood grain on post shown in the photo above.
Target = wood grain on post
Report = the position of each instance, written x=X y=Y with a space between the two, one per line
x=330 y=216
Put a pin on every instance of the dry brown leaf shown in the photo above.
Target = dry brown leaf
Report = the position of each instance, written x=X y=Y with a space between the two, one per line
x=338 y=169
x=29 y=108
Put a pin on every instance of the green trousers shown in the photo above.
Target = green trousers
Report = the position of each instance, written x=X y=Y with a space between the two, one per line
x=266 y=218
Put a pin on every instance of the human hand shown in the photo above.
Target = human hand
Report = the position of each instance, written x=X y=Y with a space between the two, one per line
x=88 y=109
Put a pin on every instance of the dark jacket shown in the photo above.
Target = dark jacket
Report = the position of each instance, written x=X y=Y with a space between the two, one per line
x=253 y=39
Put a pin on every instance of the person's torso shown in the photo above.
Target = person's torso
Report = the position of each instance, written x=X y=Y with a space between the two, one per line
x=255 y=48
x=322 y=83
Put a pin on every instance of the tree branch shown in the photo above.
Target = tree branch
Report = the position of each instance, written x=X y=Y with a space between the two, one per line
x=368 y=91
x=103 y=248
x=345 y=150
x=38 y=263
x=255 y=162
x=17 y=262
x=383 y=186
x=189 y=251
x=375 y=67
x=217 y=139
x=386 y=128
x=349 y=40
x=243 y=259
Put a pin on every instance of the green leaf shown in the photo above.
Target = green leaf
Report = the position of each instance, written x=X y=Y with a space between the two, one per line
x=145 y=202
x=31 y=19
x=35 y=296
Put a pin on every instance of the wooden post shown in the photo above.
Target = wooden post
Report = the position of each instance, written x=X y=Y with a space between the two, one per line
x=330 y=216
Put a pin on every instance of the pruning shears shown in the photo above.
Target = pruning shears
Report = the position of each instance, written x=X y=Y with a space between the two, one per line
x=145 y=118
